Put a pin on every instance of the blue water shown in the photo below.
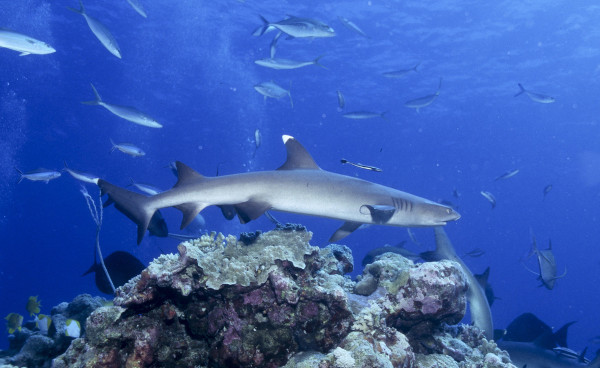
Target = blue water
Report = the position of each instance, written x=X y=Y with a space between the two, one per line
x=192 y=68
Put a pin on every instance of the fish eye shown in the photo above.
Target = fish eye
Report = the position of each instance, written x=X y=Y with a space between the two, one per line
x=448 y=211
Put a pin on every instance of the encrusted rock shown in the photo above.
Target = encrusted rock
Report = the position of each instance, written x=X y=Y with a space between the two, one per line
x=277 y=301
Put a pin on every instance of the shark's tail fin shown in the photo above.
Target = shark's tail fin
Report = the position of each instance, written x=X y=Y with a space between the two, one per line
x=521 y=91
x=96 y=101
x=133 y=205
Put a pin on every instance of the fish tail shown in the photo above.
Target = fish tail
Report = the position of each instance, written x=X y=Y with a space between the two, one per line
x=262 y=29
x=20 y=173
x=416 y=66
x=316 y=62
x=137 y=207
x=384 y=114
x=98 y=99
x=521 y=91
x=114 y=145
x=81 y=8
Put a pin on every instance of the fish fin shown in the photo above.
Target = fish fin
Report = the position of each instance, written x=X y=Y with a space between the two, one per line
x=297 y=156
x=81 y=8
x=251 y=210
x=136 y=207
x=24 y=53
x=291 y=101
x=189 y=210
x=316 y=62
x=98 y=99
x=262 y=29
x=186 y=175
x=560 y=336
x=20 y=173
x=346 y=229
x=379 y=214
x=228 y=211
x=482 y=278
x=91 y=269
x=522 y=90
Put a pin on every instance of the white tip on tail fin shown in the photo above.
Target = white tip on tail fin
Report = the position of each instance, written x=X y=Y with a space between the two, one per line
x=286 y=138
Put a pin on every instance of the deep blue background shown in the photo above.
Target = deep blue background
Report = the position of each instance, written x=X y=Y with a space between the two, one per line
x=192 y=67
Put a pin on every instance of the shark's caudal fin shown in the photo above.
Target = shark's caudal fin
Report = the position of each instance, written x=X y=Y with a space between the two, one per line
x=133 y=205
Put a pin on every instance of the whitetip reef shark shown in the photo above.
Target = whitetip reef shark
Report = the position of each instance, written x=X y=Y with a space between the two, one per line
x=298 y=186
x=481 y=314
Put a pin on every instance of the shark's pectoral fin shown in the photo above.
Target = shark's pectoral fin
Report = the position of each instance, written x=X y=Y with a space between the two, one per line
x=190 y=210
x=380 y=214
x=346 y=229
x=251 y=210
x=228 y=211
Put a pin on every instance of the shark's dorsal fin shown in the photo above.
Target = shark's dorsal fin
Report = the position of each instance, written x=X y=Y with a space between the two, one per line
x=297 y=156
x=186 y=175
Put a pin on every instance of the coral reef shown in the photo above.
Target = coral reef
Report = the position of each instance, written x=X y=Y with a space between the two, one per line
x=31 y=348
x=273 y=300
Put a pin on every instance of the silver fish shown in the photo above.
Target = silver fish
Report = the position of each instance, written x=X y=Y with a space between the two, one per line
x=341 y=100
x=547 y=190
x=297 y=27
x=81 y=176
x=490 y=197
x=257 y=138
x=100 y=31
x=257 y=141
x=271 y=89
x=534 y=96
x=137 y=6
x=298 y=186
x=401 y=72
x=421 y=102
x=350 y=25
x=357 y=115
x=285 y=64
x=361 y=166
x=507 y=175
x=146 y=188
x=127 y=148
x=24 y=44
x=40 y=174
x=125 y=112
x=546 y=263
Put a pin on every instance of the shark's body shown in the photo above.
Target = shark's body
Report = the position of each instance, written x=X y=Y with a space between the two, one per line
x=481 y=315
x=533 y=356
x=298 y=186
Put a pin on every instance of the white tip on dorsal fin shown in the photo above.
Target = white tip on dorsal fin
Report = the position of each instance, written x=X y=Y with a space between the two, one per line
x=297 y=156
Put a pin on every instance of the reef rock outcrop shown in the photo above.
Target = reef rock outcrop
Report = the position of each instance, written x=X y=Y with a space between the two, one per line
x=277 y=301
